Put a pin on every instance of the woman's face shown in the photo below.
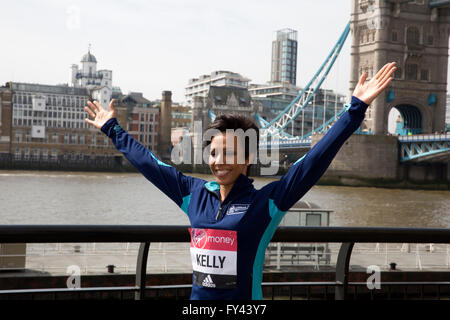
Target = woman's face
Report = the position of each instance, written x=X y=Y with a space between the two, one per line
x=225 y=164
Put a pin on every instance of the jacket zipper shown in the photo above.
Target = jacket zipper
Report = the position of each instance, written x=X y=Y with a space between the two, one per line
x=220 y=207
x=219 y=212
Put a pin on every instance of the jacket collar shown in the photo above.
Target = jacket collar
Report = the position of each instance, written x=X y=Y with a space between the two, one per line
x=241 y=182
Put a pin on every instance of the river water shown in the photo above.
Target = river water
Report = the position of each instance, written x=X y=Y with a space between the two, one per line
x=47 y=197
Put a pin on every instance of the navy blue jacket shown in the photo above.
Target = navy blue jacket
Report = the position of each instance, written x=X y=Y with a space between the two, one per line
x=229 y=239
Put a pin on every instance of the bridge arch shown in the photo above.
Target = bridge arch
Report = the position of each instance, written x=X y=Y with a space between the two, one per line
x=415 y=117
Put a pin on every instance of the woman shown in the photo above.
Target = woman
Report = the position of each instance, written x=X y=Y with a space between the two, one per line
x=232 y=222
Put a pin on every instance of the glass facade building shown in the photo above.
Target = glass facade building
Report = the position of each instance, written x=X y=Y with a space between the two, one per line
x=284 y=56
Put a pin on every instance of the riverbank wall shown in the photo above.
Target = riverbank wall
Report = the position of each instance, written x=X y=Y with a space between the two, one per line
x=363 y=161
x=374 y=161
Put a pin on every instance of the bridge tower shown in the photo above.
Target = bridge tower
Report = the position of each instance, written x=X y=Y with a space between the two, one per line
x=415 y=34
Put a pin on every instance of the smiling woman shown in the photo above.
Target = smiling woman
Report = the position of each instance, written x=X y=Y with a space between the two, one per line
x=229 y=155
x=230 y=207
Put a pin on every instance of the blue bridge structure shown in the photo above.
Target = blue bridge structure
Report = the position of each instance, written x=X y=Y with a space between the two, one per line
x=412 y=143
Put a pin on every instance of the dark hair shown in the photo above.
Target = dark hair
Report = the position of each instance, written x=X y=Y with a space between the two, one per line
x=235 y=121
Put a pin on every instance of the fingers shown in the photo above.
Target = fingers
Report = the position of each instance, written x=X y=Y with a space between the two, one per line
x=93 y=107
x=98 y=105
x=389 y=71
x=384 y=83
x=89 y=111
x=111 y=105
x=383 y=87
x=89 y=121
x=385 y=71
x=380 y=73
x=388 y=76
x=363 y=78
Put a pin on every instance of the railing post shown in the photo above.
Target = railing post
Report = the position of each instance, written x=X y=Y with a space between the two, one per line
x=342 y=266
x=141 y=270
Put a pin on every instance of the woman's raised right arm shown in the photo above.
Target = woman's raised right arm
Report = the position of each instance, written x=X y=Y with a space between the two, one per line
x=165 y=177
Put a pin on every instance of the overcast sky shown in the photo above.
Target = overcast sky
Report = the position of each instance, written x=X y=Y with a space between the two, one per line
x=157 y=45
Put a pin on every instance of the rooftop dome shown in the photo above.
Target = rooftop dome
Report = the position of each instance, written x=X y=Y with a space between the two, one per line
x=89 y=57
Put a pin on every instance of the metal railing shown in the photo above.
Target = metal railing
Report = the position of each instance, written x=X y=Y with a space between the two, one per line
x=145 y=235
x=425 y=137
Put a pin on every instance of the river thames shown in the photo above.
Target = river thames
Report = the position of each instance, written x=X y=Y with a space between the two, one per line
x=47 y=197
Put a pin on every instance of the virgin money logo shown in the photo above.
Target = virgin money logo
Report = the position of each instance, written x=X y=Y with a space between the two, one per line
x=199 y=238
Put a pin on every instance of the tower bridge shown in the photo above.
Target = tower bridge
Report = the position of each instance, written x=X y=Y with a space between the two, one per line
x=414 y=34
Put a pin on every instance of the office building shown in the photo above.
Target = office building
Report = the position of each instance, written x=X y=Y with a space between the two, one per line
x=284 y=57
x=200 y=86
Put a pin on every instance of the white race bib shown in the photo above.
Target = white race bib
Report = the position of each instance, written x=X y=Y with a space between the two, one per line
x=214 y=257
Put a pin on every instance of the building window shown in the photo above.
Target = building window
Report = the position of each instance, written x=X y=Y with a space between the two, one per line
x=424 y=75
x=55 y=137
x=398 y=73
x=18 y=136
x=412 y=36
x=394 y=36
x=82 y=139
x=17 y=154
x=74 y=138
x=66 y=138
x=411 y=71
x=313 y=220
x=36 y=154
x=44 y=154
x=54 y=154
x=27 y=154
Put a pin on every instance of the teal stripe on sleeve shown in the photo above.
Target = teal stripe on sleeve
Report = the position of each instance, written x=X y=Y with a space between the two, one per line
x=300 y=159
x=185 y=204
x=276 y=215
x=158 y=161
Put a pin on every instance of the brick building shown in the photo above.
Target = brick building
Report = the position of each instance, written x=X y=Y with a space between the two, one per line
x=46 y=123
x=142 y=119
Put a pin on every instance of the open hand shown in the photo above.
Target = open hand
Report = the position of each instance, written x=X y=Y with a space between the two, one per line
x=367 y=92
x=99 y=114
